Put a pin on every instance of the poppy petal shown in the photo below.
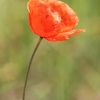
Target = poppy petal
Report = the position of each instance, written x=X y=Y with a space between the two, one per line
x=42 y=20
x=64 y=36
x=69 y=18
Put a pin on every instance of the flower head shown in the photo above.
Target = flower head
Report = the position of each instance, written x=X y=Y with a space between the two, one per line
x=52 y=19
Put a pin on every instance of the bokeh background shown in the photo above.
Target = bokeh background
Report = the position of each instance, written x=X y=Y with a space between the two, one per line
x=68 y=70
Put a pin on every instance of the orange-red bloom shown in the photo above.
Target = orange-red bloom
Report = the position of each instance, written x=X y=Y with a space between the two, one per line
x=52 y=19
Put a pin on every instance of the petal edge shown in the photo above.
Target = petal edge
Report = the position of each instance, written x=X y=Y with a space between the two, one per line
x=64 y=36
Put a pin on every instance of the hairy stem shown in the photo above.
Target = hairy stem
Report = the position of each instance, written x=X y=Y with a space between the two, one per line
x=25 y=84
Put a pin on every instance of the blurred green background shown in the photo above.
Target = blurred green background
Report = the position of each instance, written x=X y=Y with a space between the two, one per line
x=68 y=70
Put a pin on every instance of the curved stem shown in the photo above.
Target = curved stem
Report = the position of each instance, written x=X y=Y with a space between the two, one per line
x=24 y=90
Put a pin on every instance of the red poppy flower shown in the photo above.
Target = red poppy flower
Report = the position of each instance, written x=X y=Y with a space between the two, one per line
x=52 y=19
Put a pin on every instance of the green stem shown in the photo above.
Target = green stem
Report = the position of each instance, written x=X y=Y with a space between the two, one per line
x=24 y=90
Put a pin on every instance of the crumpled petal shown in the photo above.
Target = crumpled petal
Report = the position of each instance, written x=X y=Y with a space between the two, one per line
x=41 y=19
x=65 y=35
x=69 y=18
